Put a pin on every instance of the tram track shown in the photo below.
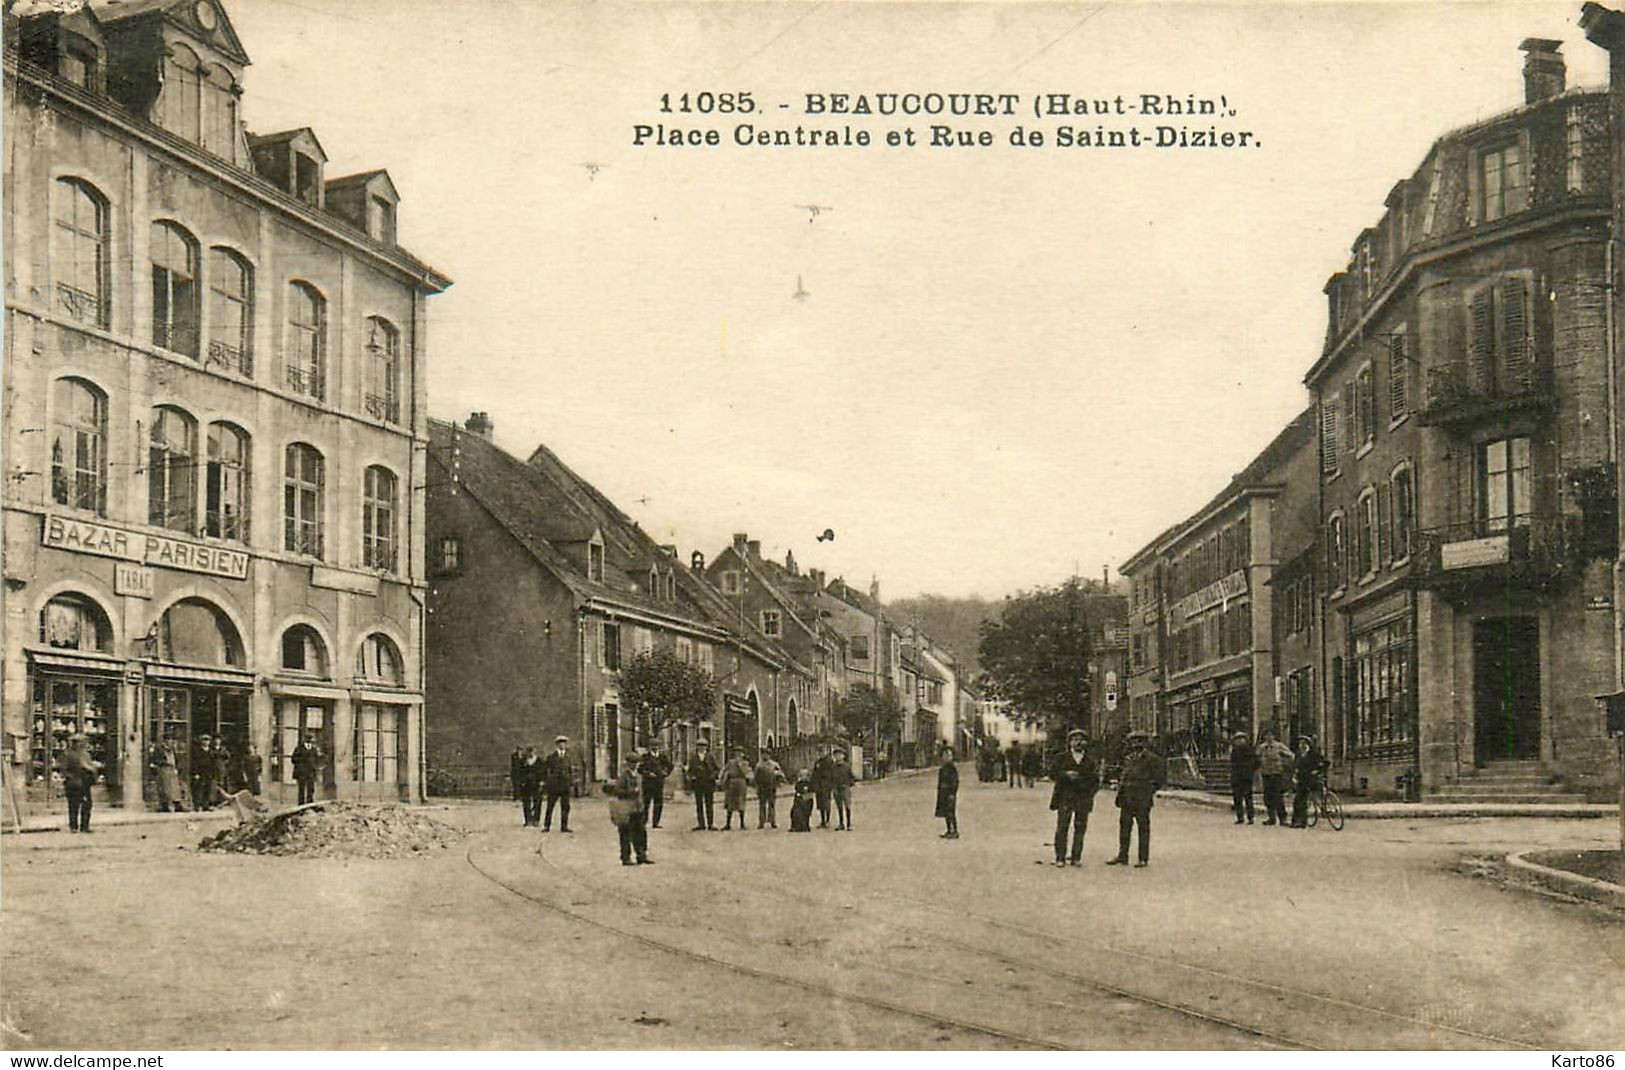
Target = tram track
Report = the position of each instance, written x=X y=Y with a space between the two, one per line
x=1254 y=1034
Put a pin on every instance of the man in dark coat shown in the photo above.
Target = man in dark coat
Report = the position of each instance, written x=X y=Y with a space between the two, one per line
x=1012 y=763
x=701 y=774
x=653 y=770
x=948 y=793
x=823 y=781
x=307 y=766
x=79 y=772
x=528 y=781
x=767 y=777
x=1077 y=778
x=202 y=761
x=516 y=773
x=1243 y=764
x=1311 y=768
x=556 y=776
x=1136 y=788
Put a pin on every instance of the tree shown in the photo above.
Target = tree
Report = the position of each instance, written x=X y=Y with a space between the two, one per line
x=864 y=710
x=1037 y=654
x=659 y=689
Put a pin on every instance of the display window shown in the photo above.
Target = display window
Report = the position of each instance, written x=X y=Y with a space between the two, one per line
x=65 y=705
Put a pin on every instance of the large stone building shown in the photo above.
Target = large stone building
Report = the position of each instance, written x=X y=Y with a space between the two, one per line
x=214 y=418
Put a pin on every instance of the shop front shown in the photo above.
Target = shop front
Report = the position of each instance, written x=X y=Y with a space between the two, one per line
x=186 y=704
x=73 y=693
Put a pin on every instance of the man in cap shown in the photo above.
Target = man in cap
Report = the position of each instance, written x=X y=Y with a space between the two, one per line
x=701 y=775
x=768 y=776
x=307 y=766
x=556 y=778
x=823 y=778
x=79 y=772
x=1076 y=774
x=1243 y=764
x=202 y=759
x=653 y=769
x=1136 y=788
x=1275 y=766
x=528 y=781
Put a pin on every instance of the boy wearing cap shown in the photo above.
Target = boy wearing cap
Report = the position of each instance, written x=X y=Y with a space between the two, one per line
x=1077 y=779
x=948 y=793
x=556 y=782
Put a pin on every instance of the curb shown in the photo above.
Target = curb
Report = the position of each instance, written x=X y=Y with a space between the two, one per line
x=1405 y=811
x=1575 y=884
x=111 y=821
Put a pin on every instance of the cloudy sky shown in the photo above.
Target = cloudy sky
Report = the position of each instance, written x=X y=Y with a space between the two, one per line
x=1006 y=363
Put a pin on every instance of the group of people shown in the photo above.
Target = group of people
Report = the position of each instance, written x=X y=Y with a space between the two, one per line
x=214 y=771
x=536 y=778
x=1018 y=764
x=1277 y=766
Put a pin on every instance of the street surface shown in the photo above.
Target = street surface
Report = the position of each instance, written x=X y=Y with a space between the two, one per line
x=886 y=937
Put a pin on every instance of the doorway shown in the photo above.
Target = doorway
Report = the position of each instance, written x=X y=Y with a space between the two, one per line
x=1506 y=689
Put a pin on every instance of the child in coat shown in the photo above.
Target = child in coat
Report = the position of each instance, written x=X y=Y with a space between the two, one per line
x=802 y=807
x=948 y=793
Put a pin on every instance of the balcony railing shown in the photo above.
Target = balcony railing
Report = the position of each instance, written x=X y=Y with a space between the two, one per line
x=382 y=407
x=1455 y=394
x=1538 y=550
x=306 y=381
x=233 y=358
x=80 y=305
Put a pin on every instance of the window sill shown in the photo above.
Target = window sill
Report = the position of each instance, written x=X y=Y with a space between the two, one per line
x=1367 y=578
x=1333 y=477
x=1370 y=444
x=1396 y=421
x=1336 y=592
x=1400 y=562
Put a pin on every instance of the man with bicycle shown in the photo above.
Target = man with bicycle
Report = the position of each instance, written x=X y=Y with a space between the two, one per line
x=1311 y=768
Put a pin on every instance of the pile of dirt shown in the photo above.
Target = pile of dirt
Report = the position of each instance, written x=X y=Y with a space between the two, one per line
x=338 y=830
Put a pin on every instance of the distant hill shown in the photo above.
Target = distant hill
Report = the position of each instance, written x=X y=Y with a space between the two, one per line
x=953 y=622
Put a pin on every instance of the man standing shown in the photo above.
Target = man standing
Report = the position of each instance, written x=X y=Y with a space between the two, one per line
x=823 y=772
x=1311 y=767
x=556 y=776
x=1274 y=762
x=79 y=772
x=840 y=791
x=1012 y=763
x=165 y=776
x=653 y=770
x=1243 y=764
x=1142 y=776
x=1077 y=779
x=307 y=766
x=249 y=767
x=768 y=775
x=628 y=817
x=528 y=780
x=702 y=782
x=202 y=759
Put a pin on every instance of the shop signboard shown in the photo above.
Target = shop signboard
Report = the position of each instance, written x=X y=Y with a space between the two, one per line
x=1475 y=553
x=1216 y=593
x=132 y=579
x=109 y=540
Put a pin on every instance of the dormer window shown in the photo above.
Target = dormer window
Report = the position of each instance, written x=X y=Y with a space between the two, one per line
x=654 y=582
x=307 y=178
x=381 y=220
x=595 y=561
x=671 y=587
x=76 y=63
x=1505 y=182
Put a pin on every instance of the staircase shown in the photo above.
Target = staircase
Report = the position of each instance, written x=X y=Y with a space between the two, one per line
x=1504 y=782
x=1216 y=772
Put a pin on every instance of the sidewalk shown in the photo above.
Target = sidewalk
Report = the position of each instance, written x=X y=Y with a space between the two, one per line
x=114 y=817
x=1391 y=810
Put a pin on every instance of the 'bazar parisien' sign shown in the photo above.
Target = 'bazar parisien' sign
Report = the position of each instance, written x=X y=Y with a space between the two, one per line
x=105 y=540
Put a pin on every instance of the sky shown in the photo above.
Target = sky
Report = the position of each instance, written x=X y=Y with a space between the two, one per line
x=1006 y=364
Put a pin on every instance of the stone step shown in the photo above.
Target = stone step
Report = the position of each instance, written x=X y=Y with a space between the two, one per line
x=1502 y=781
x=1556 y=798
x=1531 y=765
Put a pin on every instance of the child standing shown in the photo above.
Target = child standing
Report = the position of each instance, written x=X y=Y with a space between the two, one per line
x=948 y=793
x=802 y=807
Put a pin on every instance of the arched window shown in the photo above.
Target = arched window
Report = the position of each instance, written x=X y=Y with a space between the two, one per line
x=231 y=312
x=378 y=513
x=379 y=661
x=79 y=446
x=74 y=622
x=303 y=651
x=303 y=477
x=1402 y=515
x=195 y=632
x=220 y=113
x=226 y=494
x=174 y=289
x=307 y=340
x=383 y=399
x=172 y=470
x=79 y=252
x=178 y=107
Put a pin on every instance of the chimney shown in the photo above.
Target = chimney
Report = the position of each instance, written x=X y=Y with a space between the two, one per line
x=1544 y=75
x=790 y=563
x=874 y=589
x=696 y=561
x=817 y=576
x=755 y=547
x=740 y=543
x=480 y=424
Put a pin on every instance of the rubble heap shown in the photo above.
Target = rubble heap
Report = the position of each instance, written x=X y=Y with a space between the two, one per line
x=338 y=830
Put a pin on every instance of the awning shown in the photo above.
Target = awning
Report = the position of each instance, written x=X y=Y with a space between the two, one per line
x=306 y=689
x=216 y=675
x=80 y=661
x=388 y=698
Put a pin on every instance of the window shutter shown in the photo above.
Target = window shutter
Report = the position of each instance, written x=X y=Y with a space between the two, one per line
x=1351 y=429
x=1515 y=332
x=1328 y=435
x=1399 y=371
x=1481 y=343
x=1385 y=537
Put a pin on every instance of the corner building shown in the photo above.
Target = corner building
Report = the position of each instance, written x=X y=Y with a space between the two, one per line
x=214 y=419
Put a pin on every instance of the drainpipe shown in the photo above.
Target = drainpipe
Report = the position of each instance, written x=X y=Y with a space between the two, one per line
x=1612 y=343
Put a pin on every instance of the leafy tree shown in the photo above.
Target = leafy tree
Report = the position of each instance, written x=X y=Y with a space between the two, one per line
x=864 y=709
x=658 y=689
x=1037 y=654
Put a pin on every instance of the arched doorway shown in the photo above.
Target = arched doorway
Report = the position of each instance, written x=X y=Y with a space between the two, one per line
x=198 y=691
x=74 y=689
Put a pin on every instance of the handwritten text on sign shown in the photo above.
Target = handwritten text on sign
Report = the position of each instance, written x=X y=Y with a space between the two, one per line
x=105 y=540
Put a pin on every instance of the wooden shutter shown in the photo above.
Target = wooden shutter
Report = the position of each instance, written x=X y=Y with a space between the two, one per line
x=1481 y=340
x=1351 y=431
x=1328 y=435
x=1399 y=372
x=1515 y=334
x=1385 y=517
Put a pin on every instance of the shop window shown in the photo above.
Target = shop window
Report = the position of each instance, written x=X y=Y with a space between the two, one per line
x=383 y=398
x=79 y=446
x=231 y=312
x=64 y=706
x=294 y=721
x=302 y=500
x=174 y=289
x=1380 y=685
x=1505 y=485
x=378 y=513
x=377 y=744
x=226 y=493
x=303 y=651
x=194 y=632
x=79 y=252
x=73 y=622
x=172 y=470
x=379 y=661
x=306 y=356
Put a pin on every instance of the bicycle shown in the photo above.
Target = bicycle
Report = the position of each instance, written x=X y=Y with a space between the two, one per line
x=1323 y=801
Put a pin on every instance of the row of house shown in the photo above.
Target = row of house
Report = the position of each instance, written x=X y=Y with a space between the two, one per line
x=540 y=589
x=1422 y=569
